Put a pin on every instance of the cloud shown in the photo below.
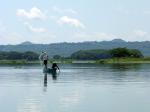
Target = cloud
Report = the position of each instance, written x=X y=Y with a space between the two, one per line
x=140 y=33
x=70 y=21
x=60 y=10
x=34 y=13
x=36 y=30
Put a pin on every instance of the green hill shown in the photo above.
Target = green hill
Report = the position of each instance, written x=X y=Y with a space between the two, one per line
x=66 y=49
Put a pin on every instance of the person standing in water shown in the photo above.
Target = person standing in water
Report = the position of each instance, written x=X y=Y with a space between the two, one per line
x=54 y=69
x=55 y=66
x=44 y=58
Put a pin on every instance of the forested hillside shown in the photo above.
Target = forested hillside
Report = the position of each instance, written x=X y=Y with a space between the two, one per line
x=66 y=49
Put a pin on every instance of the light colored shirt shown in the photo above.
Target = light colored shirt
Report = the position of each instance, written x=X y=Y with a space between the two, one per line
x=43 y=57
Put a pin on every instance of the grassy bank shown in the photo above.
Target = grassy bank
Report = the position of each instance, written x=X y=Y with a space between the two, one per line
x=124 y=60
x=101 y=61
x=17 y=62
x=25 y=62
x=111 y=60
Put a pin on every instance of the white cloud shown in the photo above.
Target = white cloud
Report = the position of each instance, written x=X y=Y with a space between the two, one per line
x=60 y=10
x=34 y=13
x=36 y=30
x=71 y=21
x=140 y=33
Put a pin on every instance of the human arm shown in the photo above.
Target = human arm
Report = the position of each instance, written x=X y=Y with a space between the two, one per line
x=41 y=57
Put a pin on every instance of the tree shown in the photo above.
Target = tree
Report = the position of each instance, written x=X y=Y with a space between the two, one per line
x=120 y=52
x=136 y=53
x=104 y=54
x=13 y=55
x=90 y=54
x=124 y=52
x=29 y=55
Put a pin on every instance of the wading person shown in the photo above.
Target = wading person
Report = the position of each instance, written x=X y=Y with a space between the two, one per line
x=54 y=69
x=55 y=66
x=44 y=58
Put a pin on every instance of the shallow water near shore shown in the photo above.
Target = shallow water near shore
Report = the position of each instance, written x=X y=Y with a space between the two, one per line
x=77 y=88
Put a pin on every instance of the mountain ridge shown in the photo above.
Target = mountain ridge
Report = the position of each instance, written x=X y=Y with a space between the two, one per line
x=66 y=49
x=26 y=43
x=29 y=43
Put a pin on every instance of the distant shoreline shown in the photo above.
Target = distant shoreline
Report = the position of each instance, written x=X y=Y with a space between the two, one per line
x=69 y=61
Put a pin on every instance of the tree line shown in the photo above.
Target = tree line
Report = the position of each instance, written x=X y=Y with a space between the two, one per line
x=79 y=55
x=13 y=55
x=103 y=54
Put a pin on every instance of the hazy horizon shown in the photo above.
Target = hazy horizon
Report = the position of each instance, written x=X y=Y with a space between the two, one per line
x=29 y=42
x=57 y=21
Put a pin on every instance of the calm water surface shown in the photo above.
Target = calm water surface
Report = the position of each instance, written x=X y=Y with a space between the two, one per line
x=77 y=88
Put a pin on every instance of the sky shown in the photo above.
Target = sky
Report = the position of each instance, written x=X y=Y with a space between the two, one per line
x=53 y=21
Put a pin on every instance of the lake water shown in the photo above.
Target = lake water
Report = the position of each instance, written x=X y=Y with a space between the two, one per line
x=77 y=88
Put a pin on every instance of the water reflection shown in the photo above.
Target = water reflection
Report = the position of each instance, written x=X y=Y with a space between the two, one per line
x=78 y=88
x=52 y=74
x=30 y=105
x=45 y=80
x=125 y=67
